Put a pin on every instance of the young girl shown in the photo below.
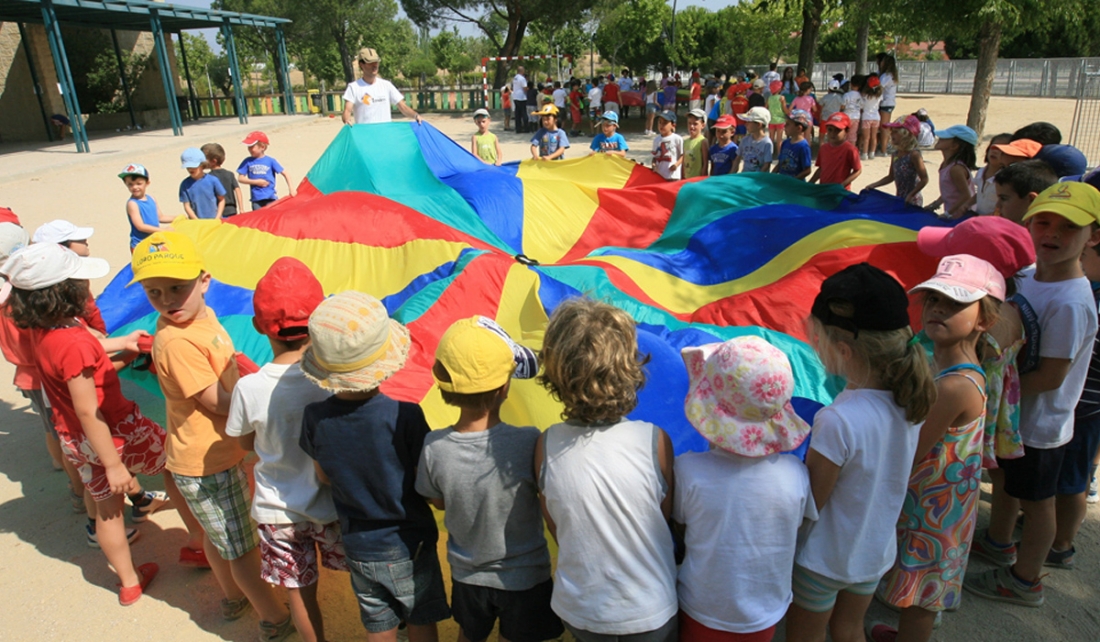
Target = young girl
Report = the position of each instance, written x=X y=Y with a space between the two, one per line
x=788 y=86
x=936 y=526
x=862 y=449
x=907 y=170
x=506 y=105
x=807 y=103
x=103 y=433
x=853 y=101
x=652 y=106
x=202 y=196
x=870 y=98
x=777 y=107
x=985 y=196
x=606 y=481
x=888 y=76
x=957 y=144
x=735 y=582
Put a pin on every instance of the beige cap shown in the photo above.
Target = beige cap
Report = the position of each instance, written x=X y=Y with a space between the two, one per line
x=366 y=54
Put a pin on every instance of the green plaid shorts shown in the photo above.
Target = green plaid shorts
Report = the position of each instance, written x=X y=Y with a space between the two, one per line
x=221 y=504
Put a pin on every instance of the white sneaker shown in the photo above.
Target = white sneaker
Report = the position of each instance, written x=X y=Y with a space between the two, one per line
x=1093 y=495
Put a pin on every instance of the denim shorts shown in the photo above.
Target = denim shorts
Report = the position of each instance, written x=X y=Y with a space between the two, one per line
x=410 y=590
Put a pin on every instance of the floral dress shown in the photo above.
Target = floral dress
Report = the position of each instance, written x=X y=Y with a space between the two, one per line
x=1002 y=408
x=905 y=176
x=937 y=520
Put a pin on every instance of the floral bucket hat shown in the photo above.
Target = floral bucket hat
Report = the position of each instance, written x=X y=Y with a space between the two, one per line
x=739 y=397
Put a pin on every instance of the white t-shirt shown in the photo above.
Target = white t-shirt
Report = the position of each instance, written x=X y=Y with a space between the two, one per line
x=374 y=102
x=1067 y=322
x=868 y=106
x=666 y=151
x=865 y=433
x=742 y=517
x=986 y=191
x=853 y=103
x=595 y=95
x=769 y=77
x=519 y=87
x=270 y=403
x=559 y=98
x=708 y=104
x=889 y=90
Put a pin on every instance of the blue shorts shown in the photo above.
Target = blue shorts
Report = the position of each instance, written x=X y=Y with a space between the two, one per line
x=410 y=590
x=652 y=108
x=817 y=593
x=741 y=130
x=1073 y=477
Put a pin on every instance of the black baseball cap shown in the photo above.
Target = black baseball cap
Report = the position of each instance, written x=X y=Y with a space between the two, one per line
x=879 y=302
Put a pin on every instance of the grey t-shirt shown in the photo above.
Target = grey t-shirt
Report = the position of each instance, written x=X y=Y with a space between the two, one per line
x=493 y=517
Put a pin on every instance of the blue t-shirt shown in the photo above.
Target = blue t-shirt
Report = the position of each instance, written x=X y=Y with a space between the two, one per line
x=549 y=141
x=612 y=143
x=756 y=155
x=202 y=194
x=264 y=167
x=147 y=210
x=369 y=451
x=794 y=158
x=721 y=158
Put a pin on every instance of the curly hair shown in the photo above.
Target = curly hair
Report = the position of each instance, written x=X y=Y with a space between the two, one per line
x=49 y=306
x=591 y=362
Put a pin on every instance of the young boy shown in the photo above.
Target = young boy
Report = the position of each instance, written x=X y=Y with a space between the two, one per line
x=367 y=445
x=197 y=371
x=549 y=142
x=795 y=158
x=259 y=170
x=595 y=96
x=609 y=140
x=724 y=150
x=141 y=209
x=837 y=160
x=696 y=150
x=484 y=143
x=1064 y=222
x=1018 y=185
x=479 y=471
x=668 y=147
x=215 y=156
x=755 y=150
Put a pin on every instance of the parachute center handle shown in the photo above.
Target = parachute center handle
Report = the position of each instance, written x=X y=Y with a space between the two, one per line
x=523 y=259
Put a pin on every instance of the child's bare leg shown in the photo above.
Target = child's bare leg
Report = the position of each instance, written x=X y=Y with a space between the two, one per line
x=306 y=613
x=89 y=504
x=806 y=626
x=110 y=528
x=75 y=482
x=194 y=528
x=53 y=446
x=846 y=624
x=384 y=636
x=873 y=138
x=222 y=571
x=246 y=575
x=1070 y=511
x=423 y=633
x=1003 y=510
x=1038 y=535
x=915 y=624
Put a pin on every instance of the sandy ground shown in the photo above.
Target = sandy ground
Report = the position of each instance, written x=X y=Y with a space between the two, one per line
x=56 y=588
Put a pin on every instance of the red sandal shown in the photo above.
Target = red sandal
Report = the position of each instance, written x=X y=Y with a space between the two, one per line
x=127 y=595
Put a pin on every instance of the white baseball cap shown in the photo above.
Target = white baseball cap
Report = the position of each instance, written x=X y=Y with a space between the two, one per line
x=41 y=265
x=12 y=238
x=61 y=231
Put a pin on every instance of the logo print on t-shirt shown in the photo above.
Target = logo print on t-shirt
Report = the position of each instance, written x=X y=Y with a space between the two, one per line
x=367 y=99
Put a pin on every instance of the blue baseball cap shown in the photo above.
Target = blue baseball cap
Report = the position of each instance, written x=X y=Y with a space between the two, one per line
x=962 y=132
x=610 y=117
x=1065 y=160
x=134 y=169
x=192 y=157
x=668 y=115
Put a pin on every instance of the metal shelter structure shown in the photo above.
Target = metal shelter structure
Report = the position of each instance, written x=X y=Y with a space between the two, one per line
x=139 y=15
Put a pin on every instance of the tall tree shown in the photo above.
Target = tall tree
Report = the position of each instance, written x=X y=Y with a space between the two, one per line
x=631 y=34
x=813 y=12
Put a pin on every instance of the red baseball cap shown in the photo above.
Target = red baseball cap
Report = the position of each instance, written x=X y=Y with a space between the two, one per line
x=256 y=137
x=840 y=120
x=725 y=121
x=775 y=86
x=8 y=216
x=1004 y=244
x=284 y=299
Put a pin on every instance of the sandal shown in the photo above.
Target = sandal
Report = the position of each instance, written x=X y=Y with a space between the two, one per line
x=127 y=595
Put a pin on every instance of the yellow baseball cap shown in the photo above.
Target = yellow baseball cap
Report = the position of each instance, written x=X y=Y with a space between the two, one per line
x=1077 y=202
x=166 y=255
x=480 y=356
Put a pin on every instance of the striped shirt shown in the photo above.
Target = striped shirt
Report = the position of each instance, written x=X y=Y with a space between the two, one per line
x=1089 y=403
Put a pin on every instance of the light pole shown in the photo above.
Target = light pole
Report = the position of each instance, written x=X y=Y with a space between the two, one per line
x=672 y=34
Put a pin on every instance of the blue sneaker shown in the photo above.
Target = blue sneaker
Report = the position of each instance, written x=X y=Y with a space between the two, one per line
x=93 y=542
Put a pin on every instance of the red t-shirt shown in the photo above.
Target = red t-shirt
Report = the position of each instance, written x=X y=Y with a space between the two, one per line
x=17 y=345
x=64 y=353
x=93 y=317
x=837 y=162
x=611 y=93
x=695 y=89
x=739 y=105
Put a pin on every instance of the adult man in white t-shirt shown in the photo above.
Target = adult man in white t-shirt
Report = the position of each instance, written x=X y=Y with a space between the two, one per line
x=519 y=100
x=770 y=76
x=370 y=99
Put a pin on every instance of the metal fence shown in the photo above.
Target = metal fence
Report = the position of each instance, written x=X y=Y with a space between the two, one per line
x=1085 y=133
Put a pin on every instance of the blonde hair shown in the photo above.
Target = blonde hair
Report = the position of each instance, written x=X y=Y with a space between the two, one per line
x=900 y=363
x=591 y=362
x=907 y=141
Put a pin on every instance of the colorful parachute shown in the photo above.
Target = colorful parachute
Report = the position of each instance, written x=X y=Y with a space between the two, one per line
x=404 y=213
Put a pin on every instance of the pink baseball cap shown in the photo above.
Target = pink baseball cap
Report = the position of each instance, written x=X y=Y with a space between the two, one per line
x=1007 y=245
x=966 y=279
x=775 y=86
x=908 y=123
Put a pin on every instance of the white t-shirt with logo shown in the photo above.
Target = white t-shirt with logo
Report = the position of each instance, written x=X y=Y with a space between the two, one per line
x=559 y=98
x=373 y=102
x=519 y=87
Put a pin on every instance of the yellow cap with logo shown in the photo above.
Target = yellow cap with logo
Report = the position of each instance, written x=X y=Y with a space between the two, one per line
x=480 y=356
x=166 y=255
x=1077 y=202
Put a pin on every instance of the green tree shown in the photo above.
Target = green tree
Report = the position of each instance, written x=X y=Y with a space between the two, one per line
x=450 y=52
x=199 y=57
x=632 y=34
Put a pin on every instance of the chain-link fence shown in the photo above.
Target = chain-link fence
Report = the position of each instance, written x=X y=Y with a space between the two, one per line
x=1085 y=133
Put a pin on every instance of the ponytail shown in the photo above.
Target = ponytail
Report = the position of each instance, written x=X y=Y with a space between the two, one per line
x=909 y=377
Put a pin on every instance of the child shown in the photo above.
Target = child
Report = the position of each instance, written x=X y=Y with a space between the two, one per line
x=832 y=102
x=141 y=209
x=652 y=106
x=75 y=238
x=837 y=160
x=595 y=94
x=795 y=158
x=104 y=434
x=294 y=511
x=985 y=193
x=870 y=99
x=559 y=96
x=549 y=142
x=960 y=303
x=853 y=101
x=197 y=370
x=957 y=144
x=506 y=105
x=479 y=471
x=756 y=96
x=927 y=136
x=215 y=156
x=696 y=159
x=736 y=575
x=724 y=150
x=1063 y=224
x=367 y=445
x=778 y=110
x=610 y=95
x=609 y=140
x=668 y=147
x=738 y=105
x=712 y=98
x=259 y=170
x=862 y=449
x=807 y=103
x=606 y=482
x=907 y=171
x=576 y=107
x=755 y=149
x=1018 y=185
x=484 y=143
x=202 y=196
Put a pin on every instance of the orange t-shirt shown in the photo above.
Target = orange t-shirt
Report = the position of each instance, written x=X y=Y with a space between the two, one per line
x=189 y=359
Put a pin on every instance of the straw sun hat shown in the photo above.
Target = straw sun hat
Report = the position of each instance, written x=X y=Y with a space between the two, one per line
x=355 y=346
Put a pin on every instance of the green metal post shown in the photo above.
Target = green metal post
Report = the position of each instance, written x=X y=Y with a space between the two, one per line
x=284 y=70
x=235 y=71
x=166 y=72
x=64 y=76
x=192 y=102
x=122 y=75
